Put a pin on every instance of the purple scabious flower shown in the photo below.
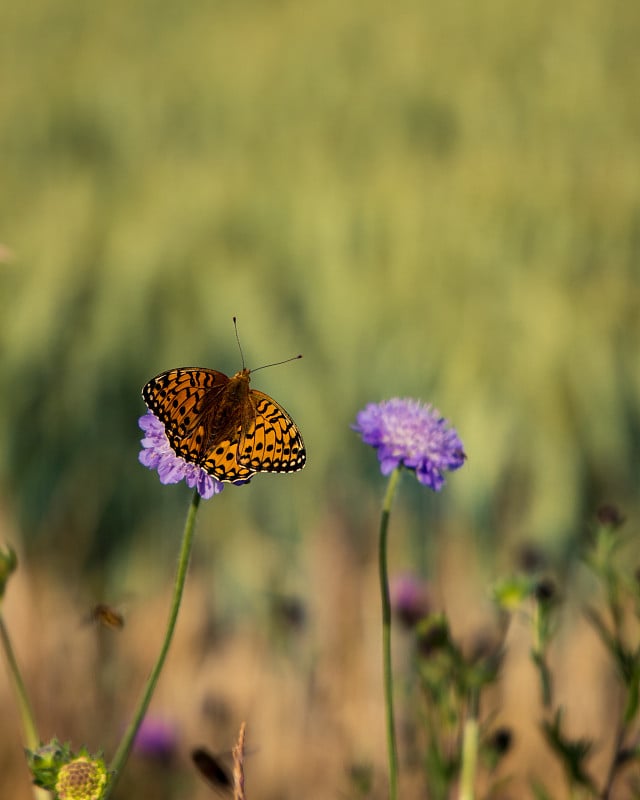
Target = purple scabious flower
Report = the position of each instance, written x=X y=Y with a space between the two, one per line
x=156 y=739
x=410 y=599
x=157 y=454
x=409 y=434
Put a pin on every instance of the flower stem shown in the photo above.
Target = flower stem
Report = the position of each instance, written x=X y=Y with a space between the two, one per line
x=31 y=736
x=392 y=750
x=124 y=748
x=32 y=739
x=469 y=752
x=540 y=638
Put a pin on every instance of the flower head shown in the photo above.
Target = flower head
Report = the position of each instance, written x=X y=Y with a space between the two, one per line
x=157 y=454
x=409 y=599
x=407 y=433
x=156 y=739
x=83 y=778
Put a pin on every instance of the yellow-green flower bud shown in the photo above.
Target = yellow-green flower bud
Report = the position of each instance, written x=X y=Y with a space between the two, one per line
x=45 y=762
x=84 y=778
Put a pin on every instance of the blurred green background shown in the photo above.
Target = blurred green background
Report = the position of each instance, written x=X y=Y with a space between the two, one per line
x=439 y=200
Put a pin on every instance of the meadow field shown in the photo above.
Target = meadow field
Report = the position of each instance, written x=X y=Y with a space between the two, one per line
x=432 y=200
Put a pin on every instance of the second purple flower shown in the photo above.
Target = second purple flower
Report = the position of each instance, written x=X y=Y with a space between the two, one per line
x=407 y=433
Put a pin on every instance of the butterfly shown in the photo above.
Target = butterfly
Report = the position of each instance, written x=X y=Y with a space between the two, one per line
x=222 y=425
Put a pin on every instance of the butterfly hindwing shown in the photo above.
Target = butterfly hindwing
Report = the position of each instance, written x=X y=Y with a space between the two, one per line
x=221 y=461
x=271 y=441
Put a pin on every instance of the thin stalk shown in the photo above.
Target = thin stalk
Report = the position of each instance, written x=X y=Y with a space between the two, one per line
x=126 y=744
x=392 y=749
x=31 y=736
x=539 y=656
x=470 y=739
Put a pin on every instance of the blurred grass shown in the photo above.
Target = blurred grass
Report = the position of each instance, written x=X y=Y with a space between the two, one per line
x=440 y=200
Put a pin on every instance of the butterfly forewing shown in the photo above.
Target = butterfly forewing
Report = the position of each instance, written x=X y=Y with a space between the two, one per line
x=218 y=423
x=179 y=398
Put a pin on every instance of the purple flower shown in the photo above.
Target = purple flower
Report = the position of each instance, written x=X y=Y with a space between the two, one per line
x=410 y=599
x=409 y=434
x=157 y=454
x=156 y=738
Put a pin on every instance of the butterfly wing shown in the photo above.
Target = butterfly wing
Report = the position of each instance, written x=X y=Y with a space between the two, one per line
x=198 y=409
x=221 y=460
x=270 y=440
x=180 y=399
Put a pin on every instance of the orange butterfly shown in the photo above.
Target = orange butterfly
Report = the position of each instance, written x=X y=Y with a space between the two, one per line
x=222 y=425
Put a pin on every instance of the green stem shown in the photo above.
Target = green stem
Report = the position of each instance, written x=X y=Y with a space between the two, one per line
x=386 y=635
x=31 y=736
x=470 y=740
x=124 y=748
x=539 y=656
x=32 y=739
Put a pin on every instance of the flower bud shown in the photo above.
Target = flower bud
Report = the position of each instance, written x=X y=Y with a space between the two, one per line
x=83 y=778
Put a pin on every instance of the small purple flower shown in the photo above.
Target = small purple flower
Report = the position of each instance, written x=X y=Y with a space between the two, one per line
x=157 y=454
x=156 y=738
x=407 y=433
x=409 y=599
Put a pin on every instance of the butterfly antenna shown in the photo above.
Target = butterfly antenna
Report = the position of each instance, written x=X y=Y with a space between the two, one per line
x=277 y=363
x=264 y=366
x=235 y=325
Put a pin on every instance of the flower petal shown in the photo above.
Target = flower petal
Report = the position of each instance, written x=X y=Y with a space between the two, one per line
x=157 y=454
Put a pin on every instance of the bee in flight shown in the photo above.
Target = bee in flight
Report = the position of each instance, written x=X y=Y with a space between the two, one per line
x=107 y=616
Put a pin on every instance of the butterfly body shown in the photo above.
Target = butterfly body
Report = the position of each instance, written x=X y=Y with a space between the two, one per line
x=223 y=406
x=222 y=425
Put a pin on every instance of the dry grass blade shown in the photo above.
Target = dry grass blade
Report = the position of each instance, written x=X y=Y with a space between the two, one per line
x=238 y=765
